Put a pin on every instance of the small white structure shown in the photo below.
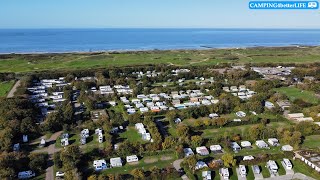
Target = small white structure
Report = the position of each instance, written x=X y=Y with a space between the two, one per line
x=133 y=158
x=246 y=144
x=146 y=136
x=272 y=166
x=269 y=105
x=200 y=165
x=261 y=144
x=65 y=142
x=206 y=175
x=42 y=143
x=98 y=131
x=188 y=152
x=248 y=158
x=25 y=138
x=224 y=172
x=216 y=148
x=85 y=133
x=242 y=171
x=287 y=148
x=26 y=174
x=116 y=162
x=100 y=165
x=273 y=142
x=16 y=147
x=235 y=146
x=100 y=138
x=213 y=115
x=241 y=114
x=203 y=151
x=287 y=163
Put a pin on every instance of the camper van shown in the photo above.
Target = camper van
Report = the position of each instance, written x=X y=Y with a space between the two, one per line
x=224 y=172
x=287 y=163
x=272 y=166
x=242 y=170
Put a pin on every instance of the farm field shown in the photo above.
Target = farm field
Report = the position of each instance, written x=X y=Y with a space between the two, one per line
x=41 y=62
x=295 y=93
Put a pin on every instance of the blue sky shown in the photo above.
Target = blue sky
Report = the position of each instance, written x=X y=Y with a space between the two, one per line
x=149 y=13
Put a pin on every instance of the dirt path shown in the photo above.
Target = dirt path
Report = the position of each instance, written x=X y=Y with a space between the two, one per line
x=51 y=151
x=13 y=89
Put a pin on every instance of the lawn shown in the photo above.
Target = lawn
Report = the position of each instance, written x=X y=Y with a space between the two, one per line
x=299 y=166
x=210 y=133
x=41 y=62
x=132 y=135
x=5 y=87
x=281 y=169
x=295 y=93
x=158 y=162
x=264 y=170
x=312 y=142
x=250 y=174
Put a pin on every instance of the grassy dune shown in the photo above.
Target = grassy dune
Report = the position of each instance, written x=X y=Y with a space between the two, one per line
x=39 y=62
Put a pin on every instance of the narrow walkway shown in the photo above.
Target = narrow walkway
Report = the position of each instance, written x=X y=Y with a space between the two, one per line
x=51 y=150
x=13 y=89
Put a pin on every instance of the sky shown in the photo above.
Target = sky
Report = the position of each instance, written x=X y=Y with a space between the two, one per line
x=149 y=14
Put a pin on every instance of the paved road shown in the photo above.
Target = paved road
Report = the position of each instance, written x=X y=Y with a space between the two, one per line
x=177 y=166
x=13 y=89
x=290 y=177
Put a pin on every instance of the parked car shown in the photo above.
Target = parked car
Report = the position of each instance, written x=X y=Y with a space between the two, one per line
x=256 y=169
x=59 y=174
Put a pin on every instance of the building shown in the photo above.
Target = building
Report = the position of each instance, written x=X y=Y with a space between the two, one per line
x=133 y=158
x=188 y=152
x=203 y=151
x=100 y=165
x=116 y=162
x=241 y=114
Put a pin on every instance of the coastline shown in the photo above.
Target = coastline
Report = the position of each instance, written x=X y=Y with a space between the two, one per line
x=202 y=48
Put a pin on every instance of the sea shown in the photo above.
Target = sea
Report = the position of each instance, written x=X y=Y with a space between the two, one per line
x=92 y=40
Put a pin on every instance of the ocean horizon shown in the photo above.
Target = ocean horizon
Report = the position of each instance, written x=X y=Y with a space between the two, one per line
x=136 y=39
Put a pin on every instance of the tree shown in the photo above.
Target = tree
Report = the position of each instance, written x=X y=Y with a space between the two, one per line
x=38 y=162
x=183 y=131
x=228 y=160
x=137 y=173
x=196 y=141
x=168 y=143
x=92 y=177
x=191 y=162
x=155 y=171
x=70 y=157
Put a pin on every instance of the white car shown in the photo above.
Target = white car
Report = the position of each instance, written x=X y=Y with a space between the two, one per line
x=59 y=174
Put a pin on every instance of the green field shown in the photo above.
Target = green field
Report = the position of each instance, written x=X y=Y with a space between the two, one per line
x=40 y=62
x=299 y=166
x=312 y=142
x=5 y=87
x=132 y=135
x=295 y=93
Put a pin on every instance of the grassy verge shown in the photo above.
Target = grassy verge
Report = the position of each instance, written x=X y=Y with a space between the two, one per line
x=301 y=167
x=264 y=170
x=5 y=87
x=312 y=142
x=281 y=169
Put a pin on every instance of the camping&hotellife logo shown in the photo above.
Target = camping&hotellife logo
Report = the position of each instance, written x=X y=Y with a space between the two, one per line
x=303 y=5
